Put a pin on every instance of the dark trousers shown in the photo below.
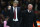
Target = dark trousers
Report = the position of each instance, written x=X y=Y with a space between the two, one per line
x=28 y=25
x=15 y=24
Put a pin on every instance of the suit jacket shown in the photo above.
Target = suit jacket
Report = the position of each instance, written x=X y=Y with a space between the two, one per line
x=10 y=20
x=28 y=19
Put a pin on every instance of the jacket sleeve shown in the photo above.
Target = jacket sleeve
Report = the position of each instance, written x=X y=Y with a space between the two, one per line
x=9 y=22
x=20 y=18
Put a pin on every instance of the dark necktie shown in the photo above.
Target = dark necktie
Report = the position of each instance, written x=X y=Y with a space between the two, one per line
x=14 y=14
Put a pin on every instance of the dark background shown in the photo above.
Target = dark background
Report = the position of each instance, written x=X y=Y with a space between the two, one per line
x=22 y=3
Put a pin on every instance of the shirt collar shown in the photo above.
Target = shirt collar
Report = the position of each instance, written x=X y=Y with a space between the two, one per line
x=15 y=7
x=29 y=11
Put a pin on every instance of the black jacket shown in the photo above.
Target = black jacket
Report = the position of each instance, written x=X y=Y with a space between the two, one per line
x=28 y=19
x=10 y=21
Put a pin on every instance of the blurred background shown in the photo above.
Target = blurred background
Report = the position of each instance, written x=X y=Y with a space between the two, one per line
x=22 y=3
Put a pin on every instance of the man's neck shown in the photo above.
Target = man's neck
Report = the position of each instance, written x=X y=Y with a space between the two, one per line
x=14 y=6
x=29 y=10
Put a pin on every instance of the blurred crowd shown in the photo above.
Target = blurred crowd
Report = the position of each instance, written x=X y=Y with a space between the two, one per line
x=22 y=3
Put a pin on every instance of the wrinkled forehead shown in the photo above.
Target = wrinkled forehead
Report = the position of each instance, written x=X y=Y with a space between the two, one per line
x=15 y=3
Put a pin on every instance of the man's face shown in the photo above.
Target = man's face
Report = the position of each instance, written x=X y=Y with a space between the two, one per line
x=14 y=4
x=30 y=7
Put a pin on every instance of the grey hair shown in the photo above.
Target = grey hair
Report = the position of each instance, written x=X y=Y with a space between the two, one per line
x=15 y=2
x=30 y=4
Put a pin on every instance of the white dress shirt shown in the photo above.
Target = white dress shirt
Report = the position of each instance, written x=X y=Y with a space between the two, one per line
x=29 y=11
x=16 y=14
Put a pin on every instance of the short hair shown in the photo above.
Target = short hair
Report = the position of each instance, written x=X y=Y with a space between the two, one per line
x=15 y=2
x=30 y=4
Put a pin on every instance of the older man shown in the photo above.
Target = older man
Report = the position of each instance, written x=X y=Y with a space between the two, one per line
x=28 y=17
x=15 y=19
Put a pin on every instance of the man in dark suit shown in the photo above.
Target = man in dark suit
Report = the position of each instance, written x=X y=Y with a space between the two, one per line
x=28 y=17
x=15 y=16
